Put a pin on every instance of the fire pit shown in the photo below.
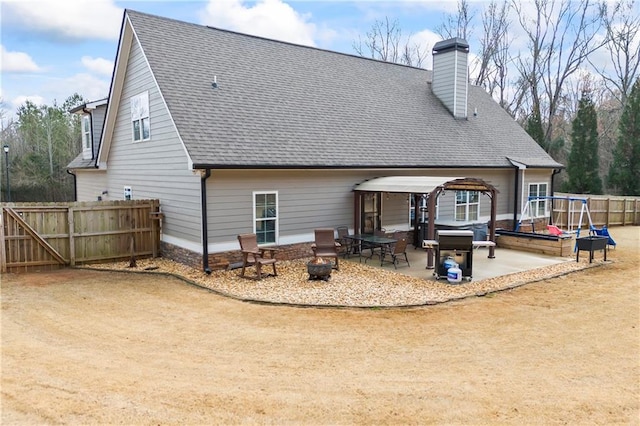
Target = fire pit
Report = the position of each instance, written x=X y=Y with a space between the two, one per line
x=591 y=244
x=319 y=269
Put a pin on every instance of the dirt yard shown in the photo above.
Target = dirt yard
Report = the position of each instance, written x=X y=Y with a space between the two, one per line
x=94 y=347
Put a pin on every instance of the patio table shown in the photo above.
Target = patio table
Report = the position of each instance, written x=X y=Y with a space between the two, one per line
x=372 y=241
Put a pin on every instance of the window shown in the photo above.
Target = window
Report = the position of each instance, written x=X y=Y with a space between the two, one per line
x=140 y=117
x=86 y=131
x=265 y=216
x=538 y=207
x=467 y=205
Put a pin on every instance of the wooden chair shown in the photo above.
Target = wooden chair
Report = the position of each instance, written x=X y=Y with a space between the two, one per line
x=252 y=255
x=325 y=245
x=396 y=252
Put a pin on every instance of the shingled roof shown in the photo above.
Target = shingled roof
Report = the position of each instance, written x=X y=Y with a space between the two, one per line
x=281 y=105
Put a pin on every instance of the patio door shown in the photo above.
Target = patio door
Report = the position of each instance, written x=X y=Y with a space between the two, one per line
x=370 y=212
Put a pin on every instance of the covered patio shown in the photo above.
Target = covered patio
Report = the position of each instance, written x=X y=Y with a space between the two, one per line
x=433 y=186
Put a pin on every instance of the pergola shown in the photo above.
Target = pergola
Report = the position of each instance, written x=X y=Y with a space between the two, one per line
x=433 y=186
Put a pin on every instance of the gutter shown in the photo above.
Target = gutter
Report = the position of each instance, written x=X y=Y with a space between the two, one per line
x=205 y=231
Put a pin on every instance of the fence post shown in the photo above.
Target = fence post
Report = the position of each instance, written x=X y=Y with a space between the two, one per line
x=624 y=211
x=3 y=253
x=608 y=211
x=72 y=241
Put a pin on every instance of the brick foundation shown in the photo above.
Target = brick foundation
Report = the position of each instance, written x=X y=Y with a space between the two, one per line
x=223 y=260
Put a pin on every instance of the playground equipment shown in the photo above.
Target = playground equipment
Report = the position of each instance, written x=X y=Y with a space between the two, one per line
x=572 y=227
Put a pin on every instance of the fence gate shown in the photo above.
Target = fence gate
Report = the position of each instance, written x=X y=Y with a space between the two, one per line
x=43 y=236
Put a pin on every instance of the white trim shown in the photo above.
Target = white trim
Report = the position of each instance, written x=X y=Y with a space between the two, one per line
x=185 y=244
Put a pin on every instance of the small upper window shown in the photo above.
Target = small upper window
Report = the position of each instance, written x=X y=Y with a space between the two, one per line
x=140 y=117
x=86 y=131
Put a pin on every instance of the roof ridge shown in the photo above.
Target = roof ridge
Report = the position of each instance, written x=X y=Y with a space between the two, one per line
x=353 y=55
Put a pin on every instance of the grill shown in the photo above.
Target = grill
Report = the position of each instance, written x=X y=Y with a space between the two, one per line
x=458 y=245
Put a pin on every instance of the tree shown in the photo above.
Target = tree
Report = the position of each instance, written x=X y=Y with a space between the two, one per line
x=459 y=24
x=622 y=24
x=385 y=42
x=561 y=34
x=583 y=166
x=46 y=138
x=624 y=172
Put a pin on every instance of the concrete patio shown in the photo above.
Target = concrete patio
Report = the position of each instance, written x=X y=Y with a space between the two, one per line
x=506 y=262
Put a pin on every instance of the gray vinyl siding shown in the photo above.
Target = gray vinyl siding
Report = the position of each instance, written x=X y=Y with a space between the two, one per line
x=450 y=81
x=156 y=168
x=313 y=199
x=90 y=185
x=97 y=122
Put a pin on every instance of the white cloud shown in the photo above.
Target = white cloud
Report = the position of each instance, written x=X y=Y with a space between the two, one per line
x=98 y=65
x=426 y=39
x=18 y=101
x=266 y=18
x=69 y=19
x=16 y=62
x=89 y=86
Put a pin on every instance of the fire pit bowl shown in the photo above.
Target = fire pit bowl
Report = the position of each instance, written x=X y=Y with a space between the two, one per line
x=319 y=269
x=591 y=244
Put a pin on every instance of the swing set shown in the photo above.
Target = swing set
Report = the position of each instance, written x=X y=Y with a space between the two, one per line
x=533 y=203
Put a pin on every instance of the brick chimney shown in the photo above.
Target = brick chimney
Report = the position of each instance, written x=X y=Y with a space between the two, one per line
x=451 y=75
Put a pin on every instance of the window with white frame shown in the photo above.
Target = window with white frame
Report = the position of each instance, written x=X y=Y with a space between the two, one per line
x=140 y=117
x=86 y=131
x=538 y=206
x=265 y=216
x=467 y=205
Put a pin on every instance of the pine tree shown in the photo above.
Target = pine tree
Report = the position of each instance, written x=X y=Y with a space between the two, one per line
x=534 y=128
x=583 y=164
x=624 y=173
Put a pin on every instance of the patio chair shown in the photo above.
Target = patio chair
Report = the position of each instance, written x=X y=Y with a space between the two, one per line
x=346 y=243
x=396 y=252
x=325 y=245
x=252 y=255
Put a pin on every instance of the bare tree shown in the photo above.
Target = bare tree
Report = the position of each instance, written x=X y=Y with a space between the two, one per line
x=459 y=24
x=622 y=23
x=385 y=42
x=561 y=35
x=494 y=56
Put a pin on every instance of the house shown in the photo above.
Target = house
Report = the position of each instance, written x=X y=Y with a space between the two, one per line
x=235 y=133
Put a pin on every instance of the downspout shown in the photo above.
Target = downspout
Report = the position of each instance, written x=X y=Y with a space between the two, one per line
x=515 y=197
x=205 y=231
x=75 y=185
x=555 y=172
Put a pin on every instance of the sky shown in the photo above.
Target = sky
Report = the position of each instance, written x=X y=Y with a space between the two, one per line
x=51 y=49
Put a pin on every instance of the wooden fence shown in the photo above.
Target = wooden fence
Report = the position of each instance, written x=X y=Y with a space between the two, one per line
x=43 y=236
x=604 y=211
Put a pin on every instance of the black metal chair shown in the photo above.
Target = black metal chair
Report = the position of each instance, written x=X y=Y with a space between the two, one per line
x=345 y=242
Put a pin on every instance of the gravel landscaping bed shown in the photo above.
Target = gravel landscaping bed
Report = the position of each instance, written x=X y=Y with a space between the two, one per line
x=354 y=285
